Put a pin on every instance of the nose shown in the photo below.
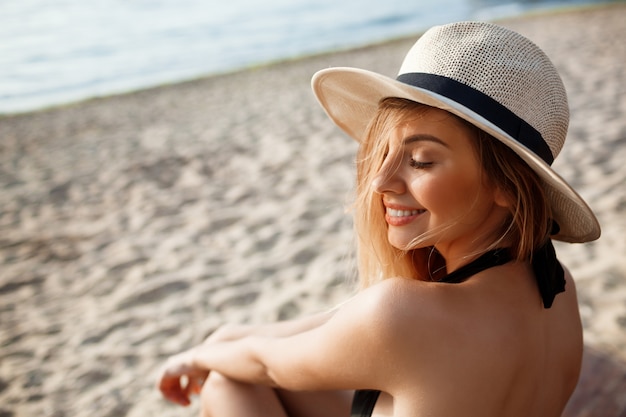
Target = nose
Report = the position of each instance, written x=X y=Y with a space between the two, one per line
x=388 y=178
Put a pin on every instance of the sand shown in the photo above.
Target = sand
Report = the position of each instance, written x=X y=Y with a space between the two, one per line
x=132 y=226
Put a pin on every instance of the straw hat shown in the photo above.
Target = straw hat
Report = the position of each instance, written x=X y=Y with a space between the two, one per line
x=488 y=75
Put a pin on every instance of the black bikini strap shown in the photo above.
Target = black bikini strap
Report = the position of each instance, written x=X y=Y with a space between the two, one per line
x=487 y=260
x=548 y=273
x=364 y=402
x=547 y=269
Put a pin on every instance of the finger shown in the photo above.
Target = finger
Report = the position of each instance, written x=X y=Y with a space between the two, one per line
x=178 y=397
x=173 y=391
x=195 y=385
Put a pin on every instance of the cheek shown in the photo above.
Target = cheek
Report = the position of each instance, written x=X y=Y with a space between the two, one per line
x=446 y=193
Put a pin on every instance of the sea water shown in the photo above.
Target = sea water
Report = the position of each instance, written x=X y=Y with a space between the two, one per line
x=58 y=51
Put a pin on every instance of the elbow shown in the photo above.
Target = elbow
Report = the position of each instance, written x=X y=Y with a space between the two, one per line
x=279 y=371
x=265 y=373
x=272 y=380
x=274 y=375
x=292 y=379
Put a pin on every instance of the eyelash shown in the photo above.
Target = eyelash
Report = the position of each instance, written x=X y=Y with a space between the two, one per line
x=419 y=164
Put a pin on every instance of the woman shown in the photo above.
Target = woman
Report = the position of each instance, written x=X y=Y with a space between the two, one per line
x=464 y=309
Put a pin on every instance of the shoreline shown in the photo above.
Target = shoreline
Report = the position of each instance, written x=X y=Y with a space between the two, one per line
x=132 y=226
x=546 y=11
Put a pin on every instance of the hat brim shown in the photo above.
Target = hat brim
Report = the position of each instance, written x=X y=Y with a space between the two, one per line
x=350 y=97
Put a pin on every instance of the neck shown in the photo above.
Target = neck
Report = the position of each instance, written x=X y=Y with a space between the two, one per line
x=465 y=249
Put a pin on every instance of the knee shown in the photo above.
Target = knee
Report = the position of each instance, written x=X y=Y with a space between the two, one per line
x=216 y=389
x=216 y=382
x=212 y=389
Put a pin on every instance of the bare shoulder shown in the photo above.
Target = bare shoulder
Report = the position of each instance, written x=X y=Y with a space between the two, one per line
x=411 y=314
x=397 y=299
x=425 y=324
x=370 y=342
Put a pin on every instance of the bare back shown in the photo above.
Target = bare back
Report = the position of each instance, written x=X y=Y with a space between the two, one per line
x=486 y=348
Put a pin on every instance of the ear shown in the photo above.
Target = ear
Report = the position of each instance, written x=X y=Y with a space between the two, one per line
x=500 y=198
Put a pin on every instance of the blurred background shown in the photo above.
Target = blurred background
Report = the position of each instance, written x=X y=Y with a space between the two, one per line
x=57 y=51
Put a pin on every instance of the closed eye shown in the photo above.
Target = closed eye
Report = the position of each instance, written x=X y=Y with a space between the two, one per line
x=420 y=164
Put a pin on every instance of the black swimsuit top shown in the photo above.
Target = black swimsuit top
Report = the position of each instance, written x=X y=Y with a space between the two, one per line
x=548 y=273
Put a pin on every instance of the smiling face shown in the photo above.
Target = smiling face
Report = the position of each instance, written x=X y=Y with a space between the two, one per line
x=433 y=189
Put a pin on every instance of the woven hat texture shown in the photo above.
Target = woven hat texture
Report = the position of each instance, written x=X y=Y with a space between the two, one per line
x=488 y=75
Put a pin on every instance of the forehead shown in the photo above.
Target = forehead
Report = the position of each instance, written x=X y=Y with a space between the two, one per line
x=451 y=131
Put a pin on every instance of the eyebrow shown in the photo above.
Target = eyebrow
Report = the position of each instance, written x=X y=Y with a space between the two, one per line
x=423 y=138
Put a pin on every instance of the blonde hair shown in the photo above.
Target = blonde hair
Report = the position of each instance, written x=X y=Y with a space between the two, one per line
x=531 y=221
x=527 y=226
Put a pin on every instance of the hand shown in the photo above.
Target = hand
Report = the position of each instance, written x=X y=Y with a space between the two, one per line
x=180 y=378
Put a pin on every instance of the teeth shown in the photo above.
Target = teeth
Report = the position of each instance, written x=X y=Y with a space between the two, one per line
x=402 y=213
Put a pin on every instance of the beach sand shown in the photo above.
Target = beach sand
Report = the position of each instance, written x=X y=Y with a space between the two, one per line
x=133 y=226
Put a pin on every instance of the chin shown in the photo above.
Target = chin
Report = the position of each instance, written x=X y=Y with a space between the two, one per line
x=404 y=244
x=409 y=242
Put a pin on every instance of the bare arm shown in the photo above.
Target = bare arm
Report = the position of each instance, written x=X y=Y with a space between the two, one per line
x=285 y=328
x=342 y=352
